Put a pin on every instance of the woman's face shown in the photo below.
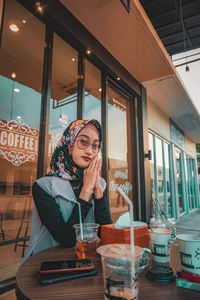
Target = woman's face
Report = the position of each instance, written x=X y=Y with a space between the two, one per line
x=85 y=146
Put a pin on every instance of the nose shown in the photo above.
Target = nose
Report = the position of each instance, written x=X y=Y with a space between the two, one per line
x=89 y=149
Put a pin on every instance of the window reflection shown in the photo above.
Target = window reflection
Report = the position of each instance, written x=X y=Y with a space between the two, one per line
x=190 y=172
x=179 y=181
x=92 y=99
x=119 y=151
x=151 y=147
x=63 y=105
x=20 y=100
x=159 y=163
x=167 y=178
x=160 y=181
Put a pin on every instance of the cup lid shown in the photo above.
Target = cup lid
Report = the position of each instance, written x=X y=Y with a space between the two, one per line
x=160 y=230
x=87 y=225
x=190 y=237
x=119 y=251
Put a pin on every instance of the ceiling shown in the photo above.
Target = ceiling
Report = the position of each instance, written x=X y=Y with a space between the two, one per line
x=133 y=41
x=129 y=37
x=165 y=16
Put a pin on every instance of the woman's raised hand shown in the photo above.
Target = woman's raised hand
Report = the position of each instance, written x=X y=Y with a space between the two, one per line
x=90 y=180
x=98 y=190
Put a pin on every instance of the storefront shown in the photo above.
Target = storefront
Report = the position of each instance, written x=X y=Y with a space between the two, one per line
x=53 y=71
x=47 y=80
x=173 y=167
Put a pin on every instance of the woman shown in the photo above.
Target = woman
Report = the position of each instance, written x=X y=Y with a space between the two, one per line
x=74 y=175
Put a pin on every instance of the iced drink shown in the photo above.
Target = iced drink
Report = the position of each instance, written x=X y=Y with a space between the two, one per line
x=120 y=271
x=86 y=245
x=86 y=248
x=160 y=244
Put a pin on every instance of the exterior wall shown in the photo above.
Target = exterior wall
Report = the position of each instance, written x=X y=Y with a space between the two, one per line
x=190 y=147
x=157 y=120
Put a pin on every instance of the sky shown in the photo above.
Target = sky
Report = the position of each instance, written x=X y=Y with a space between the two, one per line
x=191 y=80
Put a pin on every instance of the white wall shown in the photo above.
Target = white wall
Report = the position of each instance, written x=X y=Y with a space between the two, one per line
x=159 y=122
x=190 y=147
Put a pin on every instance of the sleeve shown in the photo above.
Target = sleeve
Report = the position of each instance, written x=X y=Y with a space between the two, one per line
x=52 y=218
x=101 y=210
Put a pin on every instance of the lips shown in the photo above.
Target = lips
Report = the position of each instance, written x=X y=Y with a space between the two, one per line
x=85 y=158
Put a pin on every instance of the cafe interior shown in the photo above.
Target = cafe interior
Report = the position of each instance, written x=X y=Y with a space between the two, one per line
x=110 y=61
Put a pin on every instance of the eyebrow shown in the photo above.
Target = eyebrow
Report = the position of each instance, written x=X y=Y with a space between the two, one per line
x=84 y=135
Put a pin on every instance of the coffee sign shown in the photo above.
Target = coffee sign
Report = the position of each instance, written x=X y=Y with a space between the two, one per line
x=18 y=142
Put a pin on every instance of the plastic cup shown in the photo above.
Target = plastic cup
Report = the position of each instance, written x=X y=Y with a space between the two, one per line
x=160 y=244
x=120 y=271
x=86 y=245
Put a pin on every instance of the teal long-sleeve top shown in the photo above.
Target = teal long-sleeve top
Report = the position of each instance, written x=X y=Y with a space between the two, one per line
x=51 y=216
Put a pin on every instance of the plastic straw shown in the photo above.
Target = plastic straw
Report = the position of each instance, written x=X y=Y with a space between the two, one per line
x=131 y=217
x=80 y=218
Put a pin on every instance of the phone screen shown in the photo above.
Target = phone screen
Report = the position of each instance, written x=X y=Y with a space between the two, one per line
x=66 y=266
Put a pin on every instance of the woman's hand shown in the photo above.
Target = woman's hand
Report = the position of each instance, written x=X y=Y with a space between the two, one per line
x=98 y=190
x=89 y=179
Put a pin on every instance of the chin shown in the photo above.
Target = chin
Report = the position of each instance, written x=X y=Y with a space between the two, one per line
x=83 y=165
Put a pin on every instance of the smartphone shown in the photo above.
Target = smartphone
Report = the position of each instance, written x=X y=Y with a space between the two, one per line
x=57 y=277
x=75 y=265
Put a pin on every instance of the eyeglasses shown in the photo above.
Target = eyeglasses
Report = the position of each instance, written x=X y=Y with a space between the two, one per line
x=84 y=144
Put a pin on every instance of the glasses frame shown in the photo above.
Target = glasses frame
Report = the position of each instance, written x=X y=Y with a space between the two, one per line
x=89 y=144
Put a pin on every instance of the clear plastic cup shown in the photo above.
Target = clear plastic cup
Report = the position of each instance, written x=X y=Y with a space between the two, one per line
x=86 y=245
x=120 y=271
x=160 y=244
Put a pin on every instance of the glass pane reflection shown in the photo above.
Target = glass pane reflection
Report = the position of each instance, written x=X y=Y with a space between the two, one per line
x=119 y=151
x=167 y=178
x=92 y=99
x=63 y=106
x=20 y=100
x=179 y=179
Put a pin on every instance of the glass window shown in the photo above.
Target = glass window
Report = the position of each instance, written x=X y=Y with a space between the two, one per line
x=63 y=105
x=167 y=179
x=191 y=183
x=21 y=70
x=160 y=174
x=179 y=180
x=119 y=151
x=92 y=99
x=151 y=147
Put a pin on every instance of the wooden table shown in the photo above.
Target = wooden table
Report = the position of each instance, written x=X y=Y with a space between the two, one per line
x=90 y=288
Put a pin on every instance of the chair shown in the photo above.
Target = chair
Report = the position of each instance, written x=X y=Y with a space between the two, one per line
x=26 y=219
x=2 y=234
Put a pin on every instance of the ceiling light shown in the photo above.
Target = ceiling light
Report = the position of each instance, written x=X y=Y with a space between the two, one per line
x=13 y=75
x=14 y=27
x=24 y=21
x=100 y=89
x=187 y=69
x=118 y=78
x=88 y=51
x=16 y=90
x=39 y=7
x=73 y=59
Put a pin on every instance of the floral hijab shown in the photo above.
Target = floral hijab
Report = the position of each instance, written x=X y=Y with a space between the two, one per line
x=62 y=164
